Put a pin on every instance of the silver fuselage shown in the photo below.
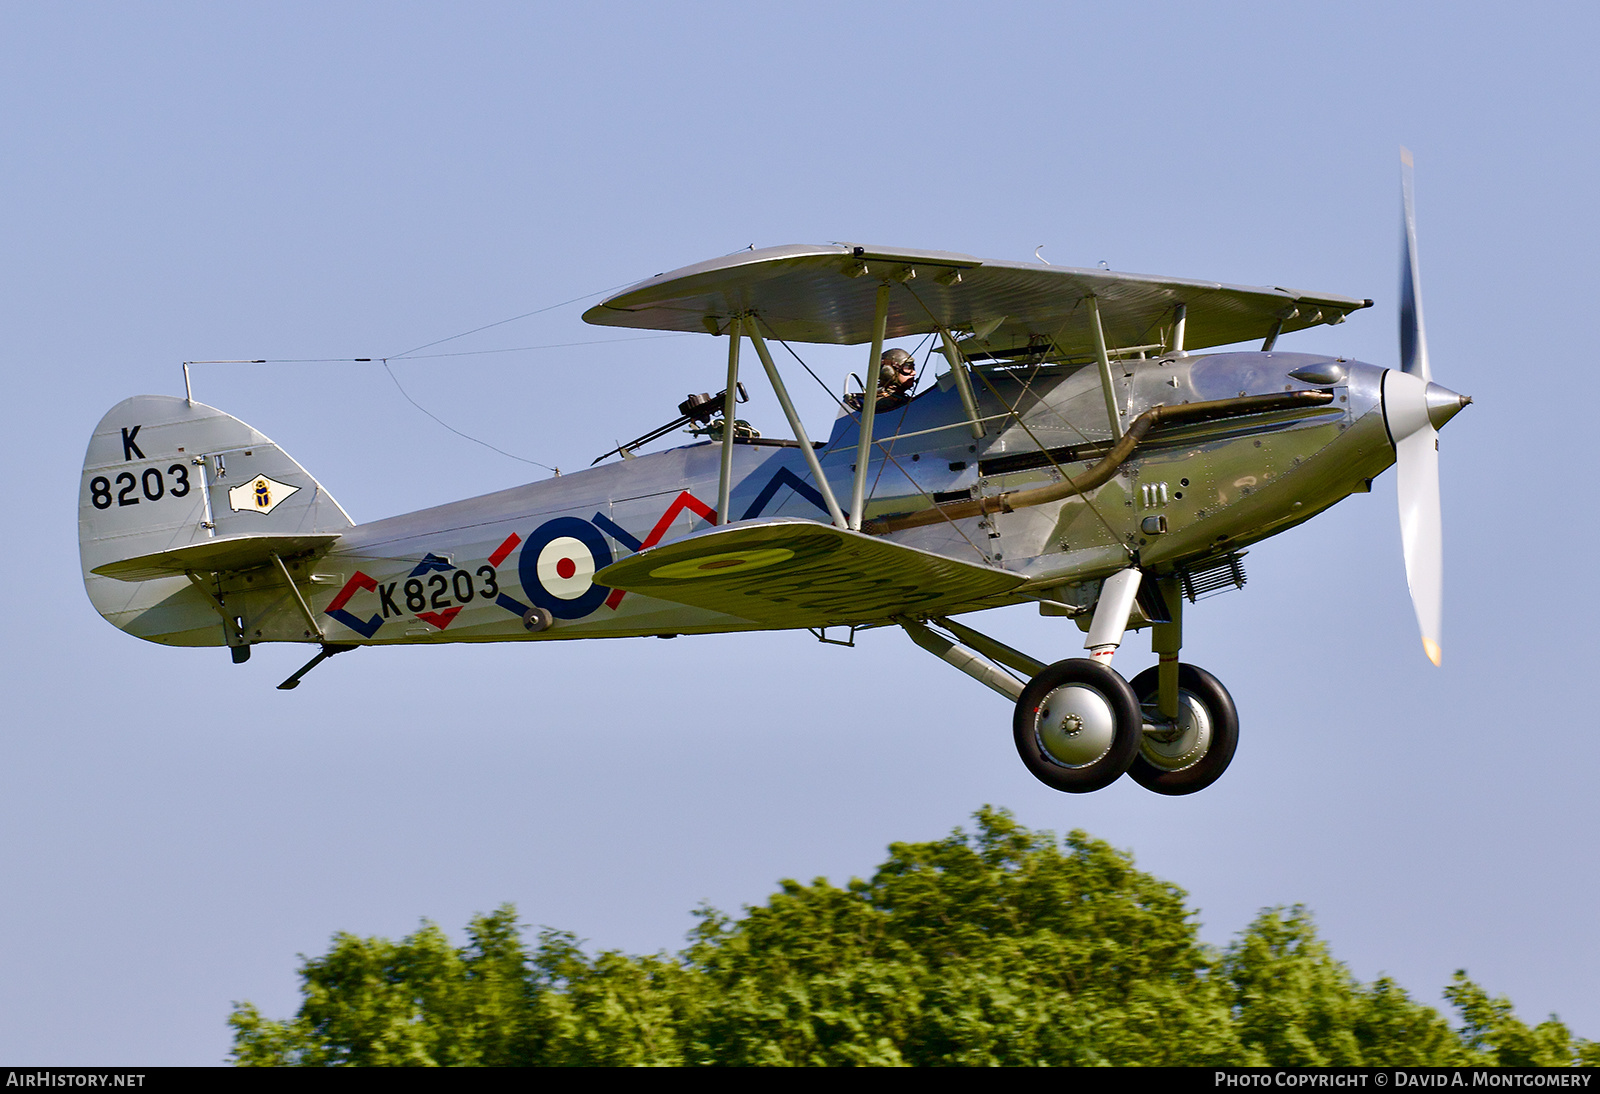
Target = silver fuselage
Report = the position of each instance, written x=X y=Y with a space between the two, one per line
x=466 y=571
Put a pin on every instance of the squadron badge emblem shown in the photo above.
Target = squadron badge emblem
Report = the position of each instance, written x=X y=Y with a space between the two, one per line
x=259 y=495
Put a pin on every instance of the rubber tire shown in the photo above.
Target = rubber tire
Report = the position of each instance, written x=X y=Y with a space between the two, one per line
x=1206 y=688
x=1127 y=727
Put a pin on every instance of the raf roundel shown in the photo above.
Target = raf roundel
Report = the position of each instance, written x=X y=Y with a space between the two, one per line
x=565 y=568
x=558 y=565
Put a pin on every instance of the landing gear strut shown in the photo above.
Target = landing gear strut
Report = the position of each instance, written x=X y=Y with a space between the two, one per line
x=1190 y=724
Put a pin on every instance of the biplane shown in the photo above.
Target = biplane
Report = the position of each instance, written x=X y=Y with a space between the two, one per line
x=1065 y=446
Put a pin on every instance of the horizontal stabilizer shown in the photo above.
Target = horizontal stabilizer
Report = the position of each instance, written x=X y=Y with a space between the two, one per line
x=213 y=555
x=798 y=573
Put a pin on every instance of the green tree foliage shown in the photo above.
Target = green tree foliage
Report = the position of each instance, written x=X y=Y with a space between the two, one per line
x=1494 y=1036
x=998 y=946
x=1294 y=1005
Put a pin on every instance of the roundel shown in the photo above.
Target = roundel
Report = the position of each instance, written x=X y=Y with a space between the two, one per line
x=558 y=565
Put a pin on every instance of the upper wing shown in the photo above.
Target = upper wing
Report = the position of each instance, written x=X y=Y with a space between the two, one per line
x=798 y=573
x=828 y=293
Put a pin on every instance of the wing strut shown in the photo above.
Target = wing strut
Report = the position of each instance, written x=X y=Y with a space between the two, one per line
x=795 y=424
x=729 y=406
x=1107 y=384
x=958 y=369
x=869 y=410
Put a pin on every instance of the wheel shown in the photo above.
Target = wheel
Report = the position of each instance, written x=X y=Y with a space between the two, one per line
x=1077 y=726
x=1199 y=750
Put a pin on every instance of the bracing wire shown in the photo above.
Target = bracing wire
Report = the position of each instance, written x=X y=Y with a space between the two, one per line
x=453 y=429
x=503 y=322
x=525 y=349
x=880 y=445
x=414 y=354
x=905 y=408
x=432 y=356
x=1044 y=451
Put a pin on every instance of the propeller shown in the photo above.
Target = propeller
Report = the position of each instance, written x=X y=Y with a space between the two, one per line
x=1415 y=409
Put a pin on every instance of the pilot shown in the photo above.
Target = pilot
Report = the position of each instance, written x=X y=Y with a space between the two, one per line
x=897 y=374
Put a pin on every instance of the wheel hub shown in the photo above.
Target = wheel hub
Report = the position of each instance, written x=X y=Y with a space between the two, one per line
x=1076 y=726
x=1181 y=744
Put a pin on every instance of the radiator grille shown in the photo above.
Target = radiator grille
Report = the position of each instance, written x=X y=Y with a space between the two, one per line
x=1216 y=577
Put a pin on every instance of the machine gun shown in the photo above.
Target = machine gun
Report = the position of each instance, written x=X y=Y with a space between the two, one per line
x=701 y=409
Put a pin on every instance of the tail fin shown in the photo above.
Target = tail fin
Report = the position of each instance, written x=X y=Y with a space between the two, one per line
x=174 y=491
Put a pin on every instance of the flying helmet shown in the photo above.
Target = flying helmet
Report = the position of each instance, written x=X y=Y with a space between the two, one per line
x=896 y=366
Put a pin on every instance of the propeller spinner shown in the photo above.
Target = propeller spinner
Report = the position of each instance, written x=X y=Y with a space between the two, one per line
x=1415 y=409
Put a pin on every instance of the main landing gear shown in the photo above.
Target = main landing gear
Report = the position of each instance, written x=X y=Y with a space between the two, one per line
x=1079 y=725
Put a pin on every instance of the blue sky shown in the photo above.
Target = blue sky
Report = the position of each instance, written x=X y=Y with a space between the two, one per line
x=350 y=180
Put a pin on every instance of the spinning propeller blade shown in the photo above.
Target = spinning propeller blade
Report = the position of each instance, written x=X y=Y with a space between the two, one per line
x=1417 y=460
x=1413 y=341
x=1415 y=409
